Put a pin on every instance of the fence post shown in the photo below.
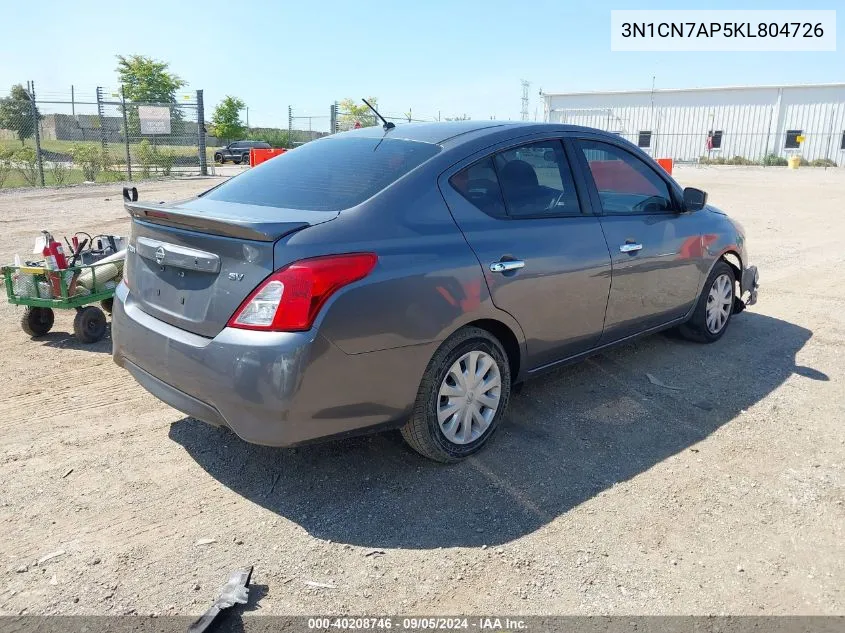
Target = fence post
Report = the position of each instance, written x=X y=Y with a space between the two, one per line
x=126 y=133
x=101 y=116
x=333 y=118
x=290 y=126
x=34 y=114
x=201 y=133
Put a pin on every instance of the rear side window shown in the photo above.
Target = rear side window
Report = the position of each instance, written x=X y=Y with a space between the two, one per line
x=326 y=175
x=479 y=184
x=530 y=181
x=536 y=181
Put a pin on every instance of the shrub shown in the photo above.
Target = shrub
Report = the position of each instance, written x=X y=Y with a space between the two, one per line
x=5 y=165
x=89 y=158
x=147 y=154
x=740 y=160
x=818 y=162
x=803 y=162
x=166 y=159
x=773 y=160
x=60 y=172
x=27 y=165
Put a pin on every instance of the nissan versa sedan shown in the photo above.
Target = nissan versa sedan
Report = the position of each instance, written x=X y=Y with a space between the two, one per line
x=410 y=276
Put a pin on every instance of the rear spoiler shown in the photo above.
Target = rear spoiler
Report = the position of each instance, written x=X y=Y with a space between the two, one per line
x=267 y=229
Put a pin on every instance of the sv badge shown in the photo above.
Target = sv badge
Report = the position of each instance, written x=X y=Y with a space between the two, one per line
x=236 y=276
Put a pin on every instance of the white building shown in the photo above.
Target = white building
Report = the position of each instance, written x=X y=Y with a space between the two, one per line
x=746 y=121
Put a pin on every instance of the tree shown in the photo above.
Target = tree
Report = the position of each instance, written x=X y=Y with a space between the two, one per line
x=352 y=111
x=16 y=113
x=462 y=117
x=146 y=80
x=226 y=119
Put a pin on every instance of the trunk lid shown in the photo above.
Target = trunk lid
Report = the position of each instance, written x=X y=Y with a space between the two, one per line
x=192 y=264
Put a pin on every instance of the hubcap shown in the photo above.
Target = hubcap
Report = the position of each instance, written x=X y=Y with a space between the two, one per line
x=469 y=397
x=719 y=303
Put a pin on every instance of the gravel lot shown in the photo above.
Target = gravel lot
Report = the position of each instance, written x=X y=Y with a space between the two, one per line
x=602 y=493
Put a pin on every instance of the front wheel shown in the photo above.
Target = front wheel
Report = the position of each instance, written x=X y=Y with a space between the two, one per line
x=715 y=306
x=37 y=321
x=462 y=397
x=218 y=158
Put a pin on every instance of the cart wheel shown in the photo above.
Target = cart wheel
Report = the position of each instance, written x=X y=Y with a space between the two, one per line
x=89 y=324
x=107 y=304
x=37 y=321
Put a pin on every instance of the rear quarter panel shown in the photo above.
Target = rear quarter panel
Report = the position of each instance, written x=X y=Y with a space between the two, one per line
x=427 y=282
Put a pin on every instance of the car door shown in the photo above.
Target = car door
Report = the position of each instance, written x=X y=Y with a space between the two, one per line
x=657 y=251
x=542 y=251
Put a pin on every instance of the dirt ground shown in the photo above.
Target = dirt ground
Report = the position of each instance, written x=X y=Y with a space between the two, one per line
x=602 y=493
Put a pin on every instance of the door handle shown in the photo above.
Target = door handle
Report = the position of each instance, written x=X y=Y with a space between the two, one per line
x=505 y=266
x=629 y=247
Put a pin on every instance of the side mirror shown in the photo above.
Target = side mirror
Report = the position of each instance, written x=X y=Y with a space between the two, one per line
x=694 y=199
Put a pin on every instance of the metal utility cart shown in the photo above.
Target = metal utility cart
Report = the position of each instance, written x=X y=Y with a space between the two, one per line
x=75 y=288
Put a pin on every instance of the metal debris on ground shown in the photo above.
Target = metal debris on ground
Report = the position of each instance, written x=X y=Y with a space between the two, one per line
x=235 y=591
x=321 y=585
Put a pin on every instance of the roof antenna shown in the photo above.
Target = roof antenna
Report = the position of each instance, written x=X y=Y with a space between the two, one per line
x=387 y=124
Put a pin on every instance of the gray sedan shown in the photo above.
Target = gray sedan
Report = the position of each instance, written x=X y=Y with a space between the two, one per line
x=409 y=277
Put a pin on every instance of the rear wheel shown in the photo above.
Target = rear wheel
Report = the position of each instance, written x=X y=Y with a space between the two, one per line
x=89 y=324
x=715 y=306
x=462 y=397
x=37 y=321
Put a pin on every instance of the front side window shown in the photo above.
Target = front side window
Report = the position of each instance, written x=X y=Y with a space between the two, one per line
x=625 y=183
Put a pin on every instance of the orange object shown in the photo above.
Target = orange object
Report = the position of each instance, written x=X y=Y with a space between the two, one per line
x=258 y=156
x=666 y=164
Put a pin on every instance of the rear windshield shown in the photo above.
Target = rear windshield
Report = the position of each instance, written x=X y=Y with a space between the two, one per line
x=326 y=175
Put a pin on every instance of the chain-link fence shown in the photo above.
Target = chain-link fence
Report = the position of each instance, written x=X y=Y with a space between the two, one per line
x=742 y=134
x=97 y=135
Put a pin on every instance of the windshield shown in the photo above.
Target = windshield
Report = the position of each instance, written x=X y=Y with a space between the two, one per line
x=326 y=175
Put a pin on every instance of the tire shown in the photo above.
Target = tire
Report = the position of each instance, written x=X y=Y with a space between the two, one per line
x=107 y=305
x=89 y=324
x=37 y=321
x=423 y=431
x=218 y=158
x=697 y=328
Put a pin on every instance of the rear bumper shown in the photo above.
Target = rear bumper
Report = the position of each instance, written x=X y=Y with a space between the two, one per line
x=272 y=388
x=749 y=284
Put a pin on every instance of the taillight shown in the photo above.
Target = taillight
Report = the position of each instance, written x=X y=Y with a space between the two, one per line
x=290 y=299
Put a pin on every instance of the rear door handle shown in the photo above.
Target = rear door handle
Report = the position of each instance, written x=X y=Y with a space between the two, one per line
x=503 y=267
x=629 y=247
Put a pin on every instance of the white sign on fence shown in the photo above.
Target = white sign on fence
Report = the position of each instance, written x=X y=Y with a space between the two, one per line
x=154 y=119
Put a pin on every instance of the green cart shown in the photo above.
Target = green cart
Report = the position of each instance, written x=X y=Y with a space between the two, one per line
x=77 y=288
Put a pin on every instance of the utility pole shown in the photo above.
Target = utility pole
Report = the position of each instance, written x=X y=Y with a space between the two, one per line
x=525 y=86
x=247 y=118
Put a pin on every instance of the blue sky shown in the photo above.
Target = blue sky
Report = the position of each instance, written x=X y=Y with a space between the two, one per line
x=455 y=57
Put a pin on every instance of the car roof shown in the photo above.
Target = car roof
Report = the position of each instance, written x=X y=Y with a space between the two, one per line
x=456 y=132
